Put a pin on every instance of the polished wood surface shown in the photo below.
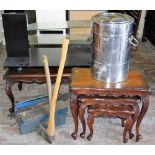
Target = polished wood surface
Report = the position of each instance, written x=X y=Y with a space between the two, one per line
x=82 y=79
x=123 y=114
x=125 y=108
x=29 y=76
x=82 y=84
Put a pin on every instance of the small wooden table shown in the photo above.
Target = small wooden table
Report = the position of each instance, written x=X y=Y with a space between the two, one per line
x=82 y=83
x=29 y=76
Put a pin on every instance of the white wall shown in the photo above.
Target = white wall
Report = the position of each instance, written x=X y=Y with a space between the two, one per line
x=50 y=15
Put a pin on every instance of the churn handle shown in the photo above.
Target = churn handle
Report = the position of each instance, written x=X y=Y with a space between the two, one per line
x=133 y=41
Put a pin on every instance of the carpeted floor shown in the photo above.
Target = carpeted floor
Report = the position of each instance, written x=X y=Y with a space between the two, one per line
x=107 y=131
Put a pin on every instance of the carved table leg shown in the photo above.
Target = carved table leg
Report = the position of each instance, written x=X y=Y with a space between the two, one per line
x=134 y=118
x=8 y=90
x=123 y=121
x=81 y=115
x=129 y=123
x=145 y=104
x=90 y=122
x=20 y=86
x=75 y=111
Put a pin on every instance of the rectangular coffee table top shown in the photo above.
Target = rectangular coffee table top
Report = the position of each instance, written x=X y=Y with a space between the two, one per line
x=81 y=78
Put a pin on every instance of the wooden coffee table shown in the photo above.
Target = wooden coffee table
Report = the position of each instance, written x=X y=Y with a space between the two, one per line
x=29 y=76
x=30 y=70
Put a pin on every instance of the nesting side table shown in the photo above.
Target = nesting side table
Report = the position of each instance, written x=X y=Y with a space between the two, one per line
x=82 y=83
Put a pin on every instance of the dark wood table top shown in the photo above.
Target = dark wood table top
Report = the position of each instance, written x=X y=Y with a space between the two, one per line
x=33 y=73
x=81 y=79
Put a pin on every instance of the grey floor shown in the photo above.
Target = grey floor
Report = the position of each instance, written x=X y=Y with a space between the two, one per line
x=106 y=131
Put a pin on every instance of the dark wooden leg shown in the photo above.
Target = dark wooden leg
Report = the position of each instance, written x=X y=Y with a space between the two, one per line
x=127 y=128
x=74 y=110
x=20 y=86
x=9 y=93
x=90 y=122
x=81 y=116
x=134 y=118
x=123 y=122
x=145 y=104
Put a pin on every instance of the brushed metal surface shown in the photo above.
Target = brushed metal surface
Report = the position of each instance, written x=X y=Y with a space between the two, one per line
x=111 y=47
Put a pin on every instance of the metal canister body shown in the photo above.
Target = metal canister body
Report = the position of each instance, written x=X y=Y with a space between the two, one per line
x=111 y=47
